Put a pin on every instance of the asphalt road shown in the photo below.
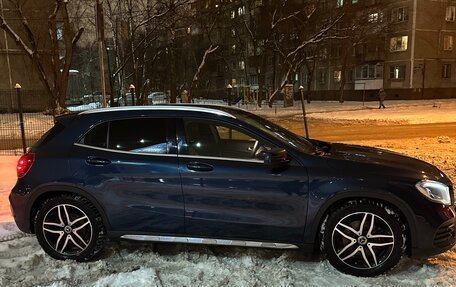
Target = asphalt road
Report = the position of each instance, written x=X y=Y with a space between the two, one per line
x=352 y=131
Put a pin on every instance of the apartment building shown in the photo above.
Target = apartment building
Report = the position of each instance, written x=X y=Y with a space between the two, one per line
x=417 y=59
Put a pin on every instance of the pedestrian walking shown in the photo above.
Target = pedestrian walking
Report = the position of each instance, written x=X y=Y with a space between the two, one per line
x=185 y=99
x=381 y=98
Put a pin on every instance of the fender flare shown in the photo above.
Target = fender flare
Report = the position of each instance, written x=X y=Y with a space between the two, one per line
x=387 y=197
x=62 y=188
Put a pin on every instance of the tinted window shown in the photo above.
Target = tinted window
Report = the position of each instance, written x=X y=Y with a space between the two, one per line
x=49 y=135
x=205 y=138
x=273 y=130
x=139 y=135
x=97 y=137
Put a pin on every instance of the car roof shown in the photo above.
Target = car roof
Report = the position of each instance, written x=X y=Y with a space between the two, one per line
x=208 y=109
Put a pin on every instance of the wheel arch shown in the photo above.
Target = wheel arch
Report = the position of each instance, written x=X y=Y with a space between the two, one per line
x=45 y=192
x=386 y=198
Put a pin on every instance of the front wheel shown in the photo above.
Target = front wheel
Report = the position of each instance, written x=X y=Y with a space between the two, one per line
x=364 y=239
x=69 y=227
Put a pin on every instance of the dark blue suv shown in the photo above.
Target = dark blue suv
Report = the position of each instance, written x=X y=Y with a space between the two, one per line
x=218 y=175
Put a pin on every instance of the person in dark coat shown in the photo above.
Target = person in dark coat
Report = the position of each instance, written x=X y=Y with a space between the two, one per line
x=381 y=98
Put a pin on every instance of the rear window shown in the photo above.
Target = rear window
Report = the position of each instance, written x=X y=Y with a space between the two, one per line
x=133 y=135
x=98 y=136
x=49 y=135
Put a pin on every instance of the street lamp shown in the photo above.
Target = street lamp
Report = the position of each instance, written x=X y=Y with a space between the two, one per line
x=301 y=89
x=229 y=88
x=132 y=92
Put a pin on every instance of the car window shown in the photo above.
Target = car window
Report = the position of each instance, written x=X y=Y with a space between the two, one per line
x=139 y=135
x=207 y=138
x=133 y=135
x=97 y=137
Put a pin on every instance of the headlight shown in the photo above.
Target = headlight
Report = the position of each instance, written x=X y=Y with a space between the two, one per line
x=435 y=191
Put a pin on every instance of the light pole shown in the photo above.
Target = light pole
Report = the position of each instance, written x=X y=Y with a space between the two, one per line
x=111 y=83
x=301 y=89
x=21 y=117
x=229 y=88
x=132 y=93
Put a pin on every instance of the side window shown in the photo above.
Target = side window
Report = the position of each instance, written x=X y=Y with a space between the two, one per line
x=97 y=137
x=139 y=135
x=206 y=138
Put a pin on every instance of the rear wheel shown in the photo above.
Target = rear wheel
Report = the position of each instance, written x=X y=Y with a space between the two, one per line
x=69 y=227
x=364 y=239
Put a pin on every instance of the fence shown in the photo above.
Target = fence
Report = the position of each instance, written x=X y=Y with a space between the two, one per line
x=35 y=121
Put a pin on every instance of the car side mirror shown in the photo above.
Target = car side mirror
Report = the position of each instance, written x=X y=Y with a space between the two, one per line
x=276 y=157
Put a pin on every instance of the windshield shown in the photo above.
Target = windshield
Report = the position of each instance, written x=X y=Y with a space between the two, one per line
x=276 y=131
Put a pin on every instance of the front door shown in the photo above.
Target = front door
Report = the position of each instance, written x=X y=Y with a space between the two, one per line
x=130 y=166
x=230 y=193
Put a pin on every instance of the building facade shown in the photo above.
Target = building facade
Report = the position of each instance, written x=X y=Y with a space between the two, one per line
x=417 y=59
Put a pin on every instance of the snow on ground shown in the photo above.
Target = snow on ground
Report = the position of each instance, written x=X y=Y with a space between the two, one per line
x=23 y=263
x=398 y=112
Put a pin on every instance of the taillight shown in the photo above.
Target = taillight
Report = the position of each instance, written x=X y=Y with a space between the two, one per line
x=24 y=164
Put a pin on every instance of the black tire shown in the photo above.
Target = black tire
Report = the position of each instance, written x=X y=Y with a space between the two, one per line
x=368 y=250
x=73 y=228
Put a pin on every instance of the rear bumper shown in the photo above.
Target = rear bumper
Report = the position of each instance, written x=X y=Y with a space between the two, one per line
x=436 y=234
x=18 y=203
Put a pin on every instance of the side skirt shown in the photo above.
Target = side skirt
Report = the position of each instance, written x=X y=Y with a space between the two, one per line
x=208 y=241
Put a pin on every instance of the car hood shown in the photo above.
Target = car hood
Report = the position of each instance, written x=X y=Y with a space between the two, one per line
x=382 y=161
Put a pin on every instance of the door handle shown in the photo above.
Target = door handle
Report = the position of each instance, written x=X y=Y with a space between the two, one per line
x=198 y=166
x=98 y=161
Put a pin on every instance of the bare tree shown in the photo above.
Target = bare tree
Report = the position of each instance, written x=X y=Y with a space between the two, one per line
x=295 y=30
x=62 y=37
x=359 y=27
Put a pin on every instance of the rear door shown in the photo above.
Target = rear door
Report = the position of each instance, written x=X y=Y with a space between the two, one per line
x=130 y=166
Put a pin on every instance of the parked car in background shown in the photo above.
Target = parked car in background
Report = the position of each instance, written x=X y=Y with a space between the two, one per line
x=157 y=98
x=73 y=102
x=220 y=175
x=89 y=99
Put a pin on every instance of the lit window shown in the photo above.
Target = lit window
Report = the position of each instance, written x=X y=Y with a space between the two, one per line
x=450 y=14
x=337 y=76
x=448 y=43
x=373 y=17
x=397 y=72
x=59 y=31
x=241 y=65
x=399 y=44
x=446 y=71
x=241 y=10
x=399 y=15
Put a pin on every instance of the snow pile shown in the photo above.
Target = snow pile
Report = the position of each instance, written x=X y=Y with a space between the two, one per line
x=124 y=263
x=86 y=107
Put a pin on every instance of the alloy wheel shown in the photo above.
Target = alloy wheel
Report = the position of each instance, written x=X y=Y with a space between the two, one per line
x=67 y=229
x=363 y=240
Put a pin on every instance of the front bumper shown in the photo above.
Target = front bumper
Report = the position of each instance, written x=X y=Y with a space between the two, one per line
x=436 y=234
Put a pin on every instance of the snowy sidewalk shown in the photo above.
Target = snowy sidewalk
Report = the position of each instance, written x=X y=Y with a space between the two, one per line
x=411 y=112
